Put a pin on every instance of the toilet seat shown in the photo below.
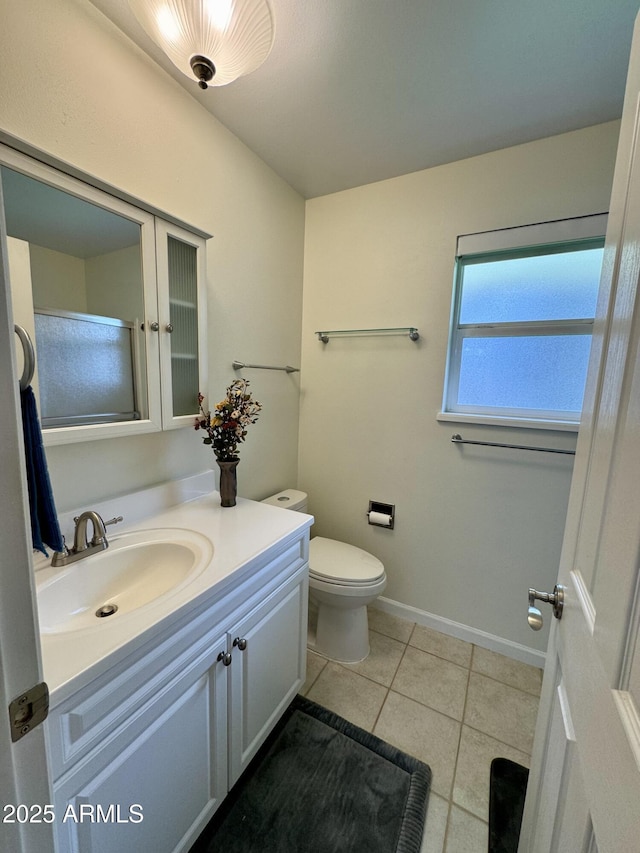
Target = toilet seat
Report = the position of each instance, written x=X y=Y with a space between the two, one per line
x=343 y=581
x=341 y=564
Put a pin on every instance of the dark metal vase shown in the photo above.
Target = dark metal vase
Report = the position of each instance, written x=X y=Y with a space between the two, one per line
x=228 y=481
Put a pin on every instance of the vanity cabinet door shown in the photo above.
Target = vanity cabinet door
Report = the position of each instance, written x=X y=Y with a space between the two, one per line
x=182 y=322
x=158 y=790
x=268 y=667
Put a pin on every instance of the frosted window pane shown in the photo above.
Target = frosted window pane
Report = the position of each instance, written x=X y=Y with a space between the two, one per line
x=85 y=369
x=541 y=372
x=563 y=285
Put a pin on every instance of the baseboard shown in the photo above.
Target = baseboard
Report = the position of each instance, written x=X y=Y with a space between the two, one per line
x=534 y=657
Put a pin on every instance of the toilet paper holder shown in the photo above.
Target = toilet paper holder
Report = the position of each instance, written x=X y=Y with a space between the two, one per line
x=381 y=514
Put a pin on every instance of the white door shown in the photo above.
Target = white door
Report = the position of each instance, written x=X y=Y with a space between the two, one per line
x=23 y=765
x=584 y=789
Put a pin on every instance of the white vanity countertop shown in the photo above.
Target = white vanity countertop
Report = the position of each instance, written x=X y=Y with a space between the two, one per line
x=238 y=534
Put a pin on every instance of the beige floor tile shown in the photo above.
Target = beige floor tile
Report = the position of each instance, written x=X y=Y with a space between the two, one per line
x=433 y=681
x=423 y=733
x=466 y=833
x=420 y=714
x=471 y=785
x=436 y=825
x=449 y=648
x=315 y=665
x=348 y=694
x=509 y=671
x=501 y=711
x=391 y=626
x=383 y=660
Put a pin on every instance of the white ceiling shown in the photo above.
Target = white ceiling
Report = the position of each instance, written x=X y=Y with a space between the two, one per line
x=356 y=91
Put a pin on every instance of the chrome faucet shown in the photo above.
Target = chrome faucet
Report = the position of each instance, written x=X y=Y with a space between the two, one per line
x=81 y=546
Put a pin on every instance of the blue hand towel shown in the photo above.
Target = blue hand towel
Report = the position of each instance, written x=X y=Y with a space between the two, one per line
x=45 y=529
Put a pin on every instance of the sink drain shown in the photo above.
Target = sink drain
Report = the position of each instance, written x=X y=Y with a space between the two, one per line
x=106 y=610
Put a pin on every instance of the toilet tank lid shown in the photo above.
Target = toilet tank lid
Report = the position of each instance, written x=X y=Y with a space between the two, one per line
x=339 y=561
x=288 y=499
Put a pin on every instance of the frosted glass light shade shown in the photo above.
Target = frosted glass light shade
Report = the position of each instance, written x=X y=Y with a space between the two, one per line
x=236 y=36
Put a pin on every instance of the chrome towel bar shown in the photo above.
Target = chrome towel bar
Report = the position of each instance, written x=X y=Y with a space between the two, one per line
x=411 y=331
x=458 y=439
x=239 y=365
x=29 y=357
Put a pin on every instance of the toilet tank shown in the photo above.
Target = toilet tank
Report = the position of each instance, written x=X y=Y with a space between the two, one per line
x=288 y=499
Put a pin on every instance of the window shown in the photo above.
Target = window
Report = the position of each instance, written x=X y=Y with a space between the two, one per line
x=522 y=322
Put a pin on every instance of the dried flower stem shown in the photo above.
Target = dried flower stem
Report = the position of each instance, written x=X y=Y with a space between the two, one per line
x=226 y=426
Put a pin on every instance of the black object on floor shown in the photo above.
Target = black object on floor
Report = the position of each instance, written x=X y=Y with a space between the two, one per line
x=322 y=785
x=506 y=804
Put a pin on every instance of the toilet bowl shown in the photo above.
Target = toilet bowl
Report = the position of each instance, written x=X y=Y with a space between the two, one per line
x=343 y=580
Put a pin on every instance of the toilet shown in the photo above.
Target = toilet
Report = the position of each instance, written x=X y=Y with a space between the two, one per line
x=343 y=580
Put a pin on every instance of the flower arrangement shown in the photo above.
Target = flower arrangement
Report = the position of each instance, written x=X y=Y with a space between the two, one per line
x=226 y=427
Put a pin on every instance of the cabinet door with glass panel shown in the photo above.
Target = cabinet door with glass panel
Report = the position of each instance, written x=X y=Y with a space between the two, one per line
x=181 y=297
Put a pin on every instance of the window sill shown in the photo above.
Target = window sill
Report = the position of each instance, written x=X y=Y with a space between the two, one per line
x=522 y=423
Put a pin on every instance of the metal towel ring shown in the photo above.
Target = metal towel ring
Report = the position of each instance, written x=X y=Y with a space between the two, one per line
x=29 y=357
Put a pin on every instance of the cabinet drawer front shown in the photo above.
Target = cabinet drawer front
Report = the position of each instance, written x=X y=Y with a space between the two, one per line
x=283 y=566
x=86 y=719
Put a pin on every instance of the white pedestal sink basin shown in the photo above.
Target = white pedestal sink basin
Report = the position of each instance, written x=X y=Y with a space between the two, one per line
x=135 y=571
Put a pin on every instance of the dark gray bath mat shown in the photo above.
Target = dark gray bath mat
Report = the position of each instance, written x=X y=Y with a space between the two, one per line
x=322 y=785
x=506 y=804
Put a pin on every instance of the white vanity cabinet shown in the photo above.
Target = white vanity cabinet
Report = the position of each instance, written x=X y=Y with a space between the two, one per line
x=144 y=754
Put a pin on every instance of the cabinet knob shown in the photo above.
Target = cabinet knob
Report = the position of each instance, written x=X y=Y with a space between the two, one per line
x=169 y=327
x=225 y=657
x=241 y=643
x=154 y=326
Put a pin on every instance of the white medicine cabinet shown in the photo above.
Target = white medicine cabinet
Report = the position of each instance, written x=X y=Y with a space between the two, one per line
x=113 y=298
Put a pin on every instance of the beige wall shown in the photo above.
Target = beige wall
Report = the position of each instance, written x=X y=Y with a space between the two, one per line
x=91 y=98
x=57 y=280
x=475 y=527
x=114 y=287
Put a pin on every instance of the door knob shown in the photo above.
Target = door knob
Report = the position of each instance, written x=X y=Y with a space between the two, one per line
x=556 y=599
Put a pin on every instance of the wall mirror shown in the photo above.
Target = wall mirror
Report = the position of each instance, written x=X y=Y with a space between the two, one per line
x=91 y=278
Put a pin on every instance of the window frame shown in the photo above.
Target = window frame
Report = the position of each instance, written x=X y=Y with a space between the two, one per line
x=525 y=241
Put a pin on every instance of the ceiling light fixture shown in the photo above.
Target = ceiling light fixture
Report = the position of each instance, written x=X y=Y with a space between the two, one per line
x=215 y=41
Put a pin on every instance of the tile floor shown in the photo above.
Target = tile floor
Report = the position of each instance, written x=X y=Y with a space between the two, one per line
x=452 y=704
